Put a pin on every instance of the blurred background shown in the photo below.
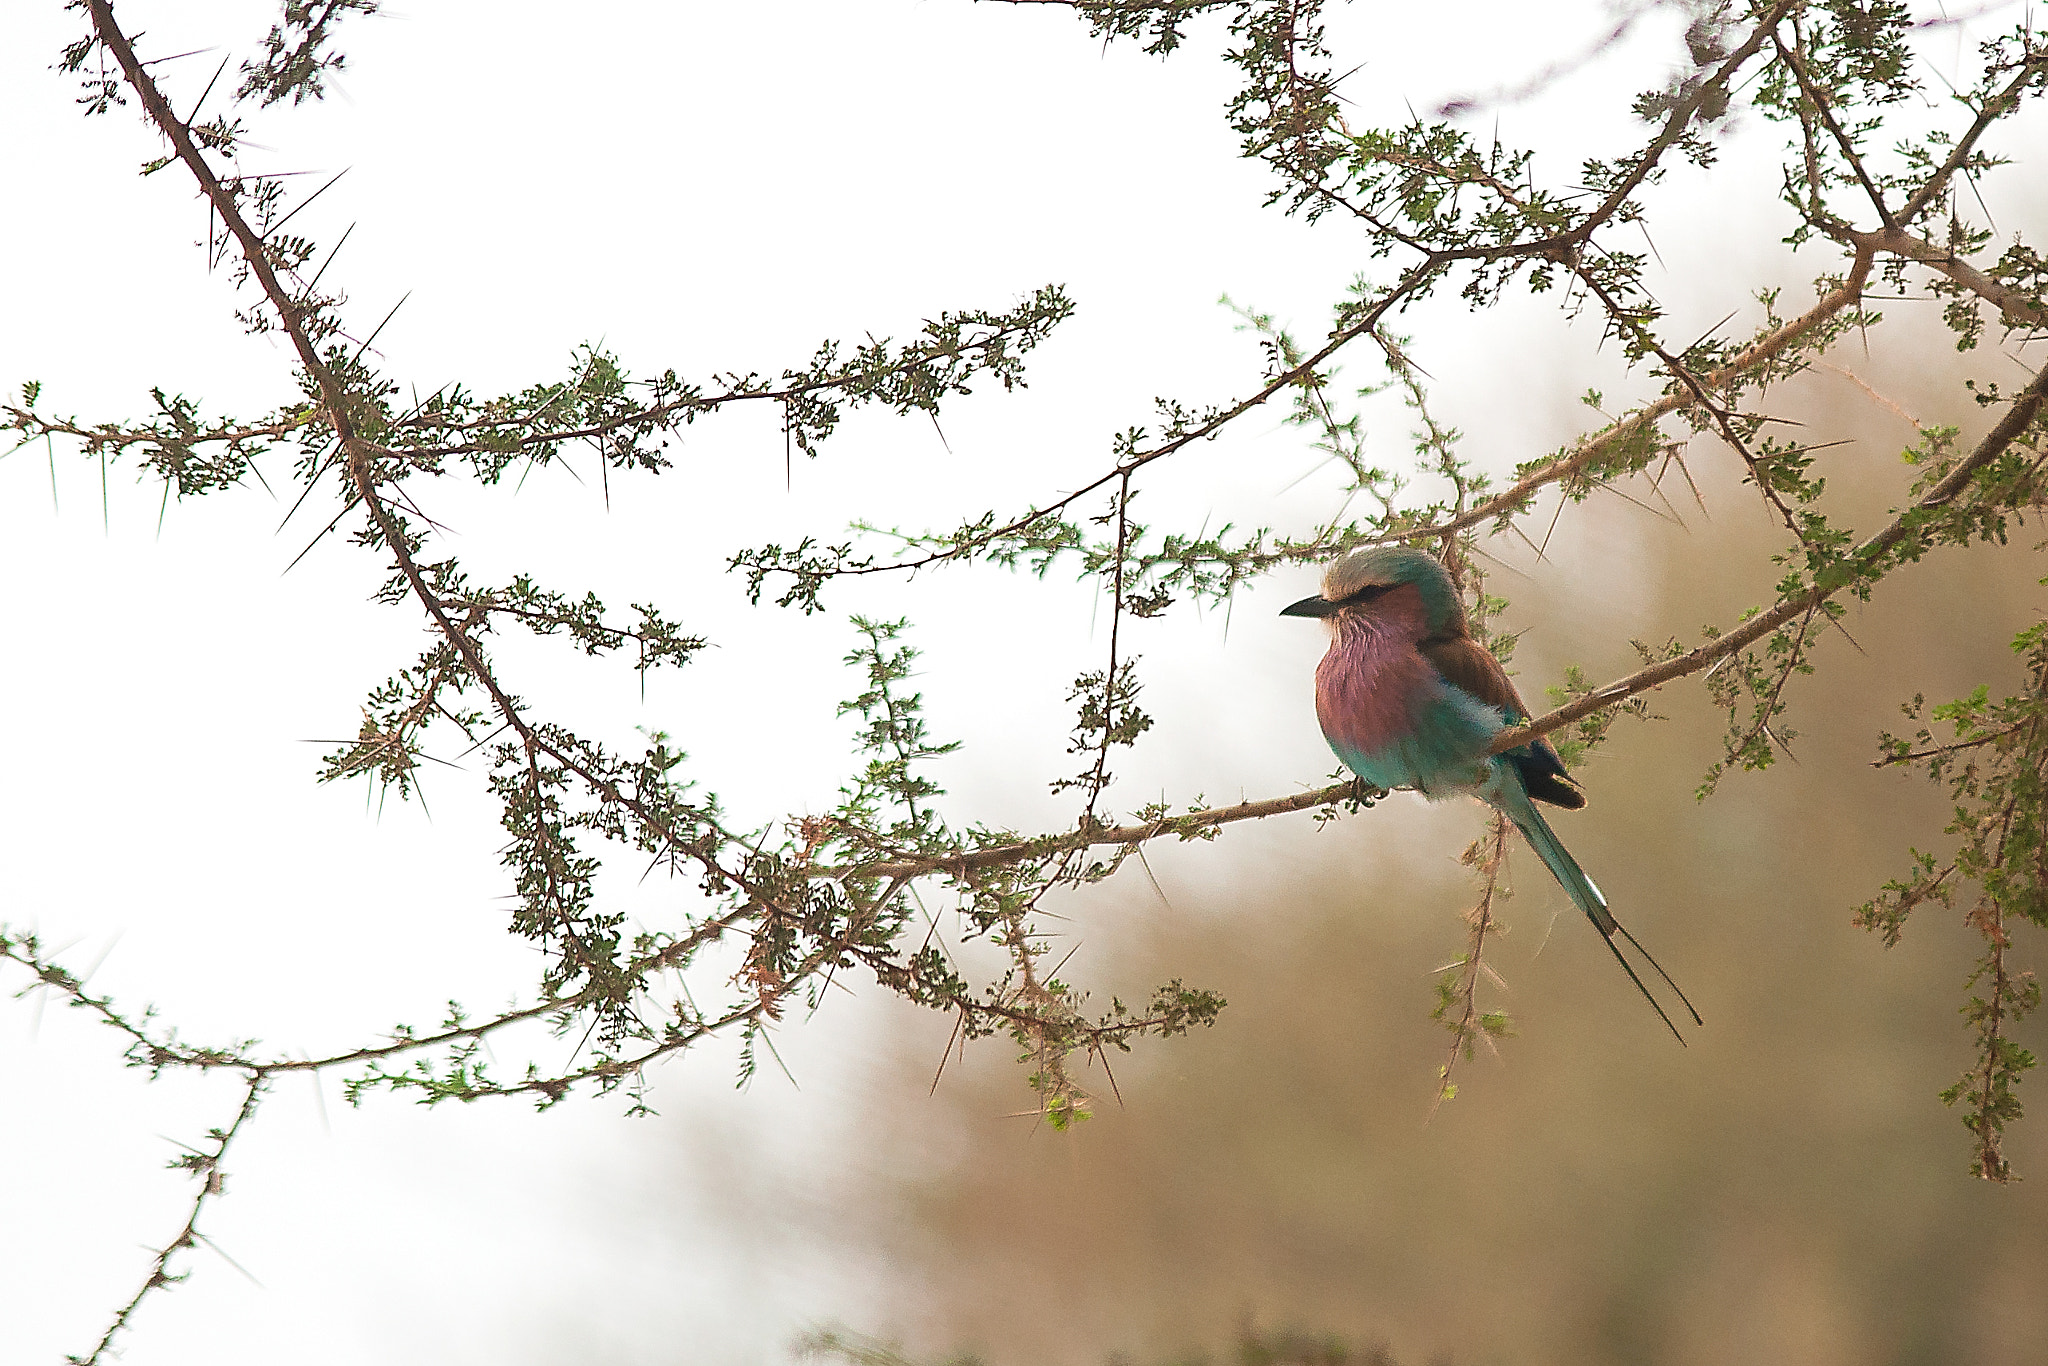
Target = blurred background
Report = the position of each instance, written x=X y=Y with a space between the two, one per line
x=1786 y=1189
x=714 y=188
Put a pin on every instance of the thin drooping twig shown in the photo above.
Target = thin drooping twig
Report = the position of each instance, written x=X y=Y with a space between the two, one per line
x=206 y=1165
x=1767 y=705
x=1099 y=777
x=1059 y=1096
x=1914 y=756
x=1458 y=994
x=1993 y=1018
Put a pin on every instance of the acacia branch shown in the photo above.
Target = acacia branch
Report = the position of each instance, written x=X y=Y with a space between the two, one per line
x=1624 y=320
x=1995 y=108
x=151 y=1050
x=1759 y=353
x=1458 y=992
x=1100 y=777
x=1304 y=373
x=1752 y=357
x=1989 y=919
x=110 y=436
x=223 y=201
x=360 y=455
x=916 y=357
x=206 y=1166
x=1592 y=449
x=2016 y=308
x=1681 y=374
x=1768 y=705
x=1196 y=824
x=1676 y=124
x=2018 y=417
x=1434 y=262
x=1843 y=141
x=1958 y=747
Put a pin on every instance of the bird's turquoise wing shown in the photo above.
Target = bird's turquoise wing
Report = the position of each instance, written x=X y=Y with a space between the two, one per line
x=1467 y=665
x=1443 y=750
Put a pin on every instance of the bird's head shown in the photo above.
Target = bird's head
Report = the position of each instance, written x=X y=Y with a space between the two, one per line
x=1359 y=580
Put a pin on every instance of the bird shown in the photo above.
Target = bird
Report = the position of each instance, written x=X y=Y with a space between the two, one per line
x=1408 y=699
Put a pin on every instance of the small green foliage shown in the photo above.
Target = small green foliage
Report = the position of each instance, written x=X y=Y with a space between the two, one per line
x=895 y=740
x=1457 y=986
x=1993 y=763
x=190 y=455
x=1998 y=1000
x=296 y=52
x=628 y=423
x=1575 y=743
x=1750 y=686
x=1107 y=716
x=1174 y=1009
x=1359 y=796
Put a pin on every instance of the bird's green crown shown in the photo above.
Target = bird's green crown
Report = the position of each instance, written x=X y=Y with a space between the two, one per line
x=1389 y=566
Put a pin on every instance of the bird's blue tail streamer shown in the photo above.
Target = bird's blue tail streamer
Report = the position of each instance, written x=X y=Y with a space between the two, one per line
x=1513 y=800
x=1505 y=790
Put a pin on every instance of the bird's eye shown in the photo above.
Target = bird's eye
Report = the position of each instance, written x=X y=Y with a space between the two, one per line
x=1366 y=594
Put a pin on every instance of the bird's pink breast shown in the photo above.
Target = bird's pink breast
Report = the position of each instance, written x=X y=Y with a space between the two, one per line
x=1371 y=682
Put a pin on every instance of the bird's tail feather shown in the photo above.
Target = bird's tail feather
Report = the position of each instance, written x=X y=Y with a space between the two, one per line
x=1588 y=898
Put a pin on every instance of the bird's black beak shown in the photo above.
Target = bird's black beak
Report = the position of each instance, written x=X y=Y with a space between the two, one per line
x=1309 y=607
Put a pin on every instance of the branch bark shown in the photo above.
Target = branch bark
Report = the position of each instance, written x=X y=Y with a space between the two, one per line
x=2016 y=308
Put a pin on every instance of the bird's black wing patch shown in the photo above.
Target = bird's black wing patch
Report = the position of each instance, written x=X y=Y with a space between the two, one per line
x=1544 y=776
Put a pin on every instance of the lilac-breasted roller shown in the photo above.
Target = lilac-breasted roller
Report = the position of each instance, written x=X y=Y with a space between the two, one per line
x=1408 y=698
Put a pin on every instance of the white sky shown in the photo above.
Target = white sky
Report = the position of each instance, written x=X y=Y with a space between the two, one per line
x=707 y=187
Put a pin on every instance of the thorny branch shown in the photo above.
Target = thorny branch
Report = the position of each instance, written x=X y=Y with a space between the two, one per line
x=1690 y=390
x=205 y=1164
x=365 y=473
x=1359 y=320
x=1995 y=770
x=1457 y=1007
x=833 y=895
x=767 y=906
x=1868 y=559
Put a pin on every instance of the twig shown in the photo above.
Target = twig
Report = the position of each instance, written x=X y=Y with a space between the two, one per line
x=206 y=1165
